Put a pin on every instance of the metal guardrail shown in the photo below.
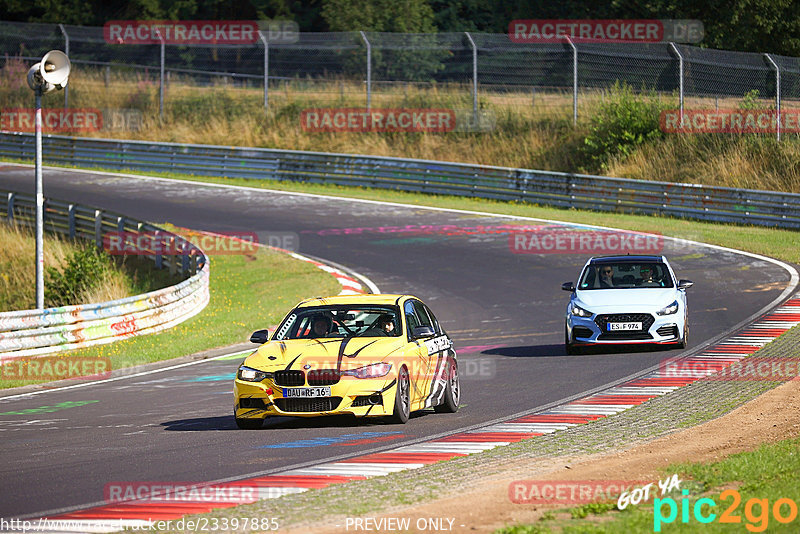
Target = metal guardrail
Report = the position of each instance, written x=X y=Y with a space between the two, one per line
x=707 y=203
x=28 y=333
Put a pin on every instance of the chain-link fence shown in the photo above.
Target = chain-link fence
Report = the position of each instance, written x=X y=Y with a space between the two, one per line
x=374 y=70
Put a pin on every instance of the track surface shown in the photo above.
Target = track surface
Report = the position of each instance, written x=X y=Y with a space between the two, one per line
x=177 y=425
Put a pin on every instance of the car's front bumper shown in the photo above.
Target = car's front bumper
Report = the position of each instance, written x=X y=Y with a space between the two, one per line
x=359 y=397
x=656 y=329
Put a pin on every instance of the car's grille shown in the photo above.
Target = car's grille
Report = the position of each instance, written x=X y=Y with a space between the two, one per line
x=322 y=404
x=668 y=331
x=323 y=377
x=646 y=319
x=290 y=378
x=581 y=331
x=258 y=404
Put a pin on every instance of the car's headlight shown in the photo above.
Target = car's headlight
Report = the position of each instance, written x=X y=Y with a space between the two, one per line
x=375 y=370
x=248 y=374
x=669 y=310
x=580 y=312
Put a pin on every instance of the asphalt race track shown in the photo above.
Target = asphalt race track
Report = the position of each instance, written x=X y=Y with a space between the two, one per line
x=503 y=310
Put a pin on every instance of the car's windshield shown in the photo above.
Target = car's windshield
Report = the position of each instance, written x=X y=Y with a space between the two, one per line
x=625 y=275
x=340 y=321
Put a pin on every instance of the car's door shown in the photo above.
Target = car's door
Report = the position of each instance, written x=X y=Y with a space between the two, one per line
x=420 y=375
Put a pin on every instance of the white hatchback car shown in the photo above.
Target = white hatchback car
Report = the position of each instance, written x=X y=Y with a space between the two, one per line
x=626 y=300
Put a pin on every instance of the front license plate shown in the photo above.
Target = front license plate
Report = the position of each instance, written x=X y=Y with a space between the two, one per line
x=307 y=393
x=624 y=326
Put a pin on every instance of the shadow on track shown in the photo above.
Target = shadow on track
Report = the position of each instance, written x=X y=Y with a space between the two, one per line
x=543 y=351
x=226 y=422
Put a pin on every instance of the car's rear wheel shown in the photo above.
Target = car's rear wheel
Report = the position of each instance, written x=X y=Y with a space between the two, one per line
x=402 y=398
x=452 y=391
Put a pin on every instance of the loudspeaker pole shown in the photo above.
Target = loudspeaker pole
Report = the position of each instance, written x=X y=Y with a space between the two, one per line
x=39 y=205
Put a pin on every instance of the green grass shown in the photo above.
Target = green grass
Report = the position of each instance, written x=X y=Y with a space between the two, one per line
x=771 y=472
x=247 y=293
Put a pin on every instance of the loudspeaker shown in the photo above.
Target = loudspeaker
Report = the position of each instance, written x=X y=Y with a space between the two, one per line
x=52 y=72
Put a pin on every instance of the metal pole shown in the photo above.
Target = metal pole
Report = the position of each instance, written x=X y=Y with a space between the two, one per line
x=680 y=77
x=369 y=71
x=266 y=69
x=574 y=81
x=39 y=205
x=777 y=92
x=161 y=82
x=66 y=51
x=474 y=77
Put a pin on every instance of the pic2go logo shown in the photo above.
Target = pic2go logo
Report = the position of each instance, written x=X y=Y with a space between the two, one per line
x=756 y=511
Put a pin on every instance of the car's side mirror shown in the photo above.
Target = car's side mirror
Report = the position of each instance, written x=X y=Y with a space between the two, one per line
x=419 y=332
x=259 y=336
x=685 y=284
x=568 y=286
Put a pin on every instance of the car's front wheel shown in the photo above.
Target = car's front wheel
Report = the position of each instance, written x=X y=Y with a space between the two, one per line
x=249 y=424
x=452 y=391
x=684 y=342
x=402 y=398
x=568 y=346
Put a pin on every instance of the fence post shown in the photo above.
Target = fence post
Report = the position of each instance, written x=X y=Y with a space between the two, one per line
x=266 y=69
x=10 y=212
x=71 y=220
x=66 y=51
x=474 y=78
x=680 y=77
x=574 y=81
x=777 y=92
x=98 y=228
x=369 y=70
x=161 y=76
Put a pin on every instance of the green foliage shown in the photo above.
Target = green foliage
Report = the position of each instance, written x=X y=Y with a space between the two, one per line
x=594 y=508
x=623 y=122
x=413 y=16
x=85 y=268
x=750 y=100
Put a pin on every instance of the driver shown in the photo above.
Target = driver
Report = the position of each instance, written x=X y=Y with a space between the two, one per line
x=647 y=274
x=320 y=325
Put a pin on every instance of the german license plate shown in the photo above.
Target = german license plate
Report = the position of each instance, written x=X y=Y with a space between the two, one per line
x=307 y=393
x=615 y=327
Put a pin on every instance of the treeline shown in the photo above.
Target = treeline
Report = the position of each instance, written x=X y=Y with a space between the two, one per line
x=744 y=25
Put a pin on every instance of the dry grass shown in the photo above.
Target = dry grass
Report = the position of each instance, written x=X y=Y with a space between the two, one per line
x=17 y=273
x=534 y=130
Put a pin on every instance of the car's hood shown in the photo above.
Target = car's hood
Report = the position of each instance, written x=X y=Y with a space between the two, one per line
x=640 y=298
x=323 y=353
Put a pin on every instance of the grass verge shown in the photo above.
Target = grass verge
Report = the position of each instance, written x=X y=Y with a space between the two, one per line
x=74 y=273
x=248 y=292
x=747 y=485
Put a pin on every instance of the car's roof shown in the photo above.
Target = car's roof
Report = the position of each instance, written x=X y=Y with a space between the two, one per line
x=626 y=258
x=351 y=300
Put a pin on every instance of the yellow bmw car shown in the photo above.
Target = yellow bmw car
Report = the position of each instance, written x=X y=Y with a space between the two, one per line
x=365 y=355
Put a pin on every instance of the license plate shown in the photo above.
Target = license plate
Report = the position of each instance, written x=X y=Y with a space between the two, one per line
x=624 y=326
x=307 y=393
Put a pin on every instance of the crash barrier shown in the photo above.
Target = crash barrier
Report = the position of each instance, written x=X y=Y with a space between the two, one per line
x=27 y=333
x=563 y=190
